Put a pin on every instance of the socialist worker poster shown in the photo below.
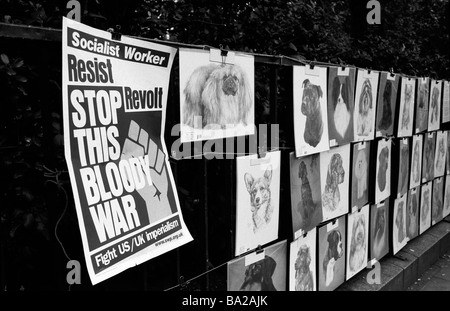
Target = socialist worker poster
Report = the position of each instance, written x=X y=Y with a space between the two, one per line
x=114 y=105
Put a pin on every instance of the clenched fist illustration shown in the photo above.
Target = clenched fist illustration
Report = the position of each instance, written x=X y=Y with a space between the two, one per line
x=138 y=144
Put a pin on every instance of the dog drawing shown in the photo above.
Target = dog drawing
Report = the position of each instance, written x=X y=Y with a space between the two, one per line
x=416 y=163
x=412 y=216
x=307 y=206
x=379 y=236
x=260 y=198
x=434 y=106
x=219 y=94
x=334 y=251
x=423 y=94
x=406 y=107
x=258 y=275
x=437 y=205
x=428 y=165
x=404 y=167
x=360 y=170
x=358 y=244
x=440 y=156
x=386 y=119
x=304 y=280
x=364 y=124
x=383 y=164
x=335 y=176
x=312 y=110
x=341 y=99
x=425 y=205
x=399 y=222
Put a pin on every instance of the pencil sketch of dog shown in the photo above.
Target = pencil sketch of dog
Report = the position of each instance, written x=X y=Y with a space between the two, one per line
x=399 y=222
x=425 y=206
x=404 y=167
x=386 y=119
x=364 y=122
x=313 y=112
x=358 y=244
x=379 y=236
x=260 y=198
x=258 y=275
x=334 y=251
x=341 y=101
x=428 y=164
x=440 y=156
x=383 y=164
x=406 y=107
x=412 y=216
x=335 y=176
x=437 y=205
x=307 y=206
x=304 y=280
x=434 y=106
x=361 y=174
x=416 y=163
x=220 y=94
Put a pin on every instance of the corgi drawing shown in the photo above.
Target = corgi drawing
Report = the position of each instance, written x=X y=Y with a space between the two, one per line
x=260 y=198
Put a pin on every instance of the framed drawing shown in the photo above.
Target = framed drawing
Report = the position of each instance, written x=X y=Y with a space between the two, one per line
x=310 y=110
x=263 y=270
x=360 y=174
x=306 y=199
x=334 y=179
x=379 y=230
x=365 y=104
x=416 y=161
x=438 y=201
x=399 y=238
x=406 y=112
x=258 y=200
x=387 y=104
x=412 y=213
x=331 y=254
x=341 y=86
x=425 y=207
x=445 y=101
x=423 y=87
x=440 y=153
x=434 y=108
x=383 y=169
x=302 y=263
x=429 y=147
x=216 y=95
x=357 y=241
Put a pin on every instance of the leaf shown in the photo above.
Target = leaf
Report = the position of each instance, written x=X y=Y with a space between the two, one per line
x=18 y=63
x=5 y=59
x=292 y=46
x=21 y=78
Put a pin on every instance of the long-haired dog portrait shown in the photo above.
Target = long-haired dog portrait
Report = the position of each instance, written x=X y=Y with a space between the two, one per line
x=386 y=119
x=434 y=105
x=335 y=176
x=399 y=223
x=340 y=96
x=334 y=251
x=404 y=168
x=260 y=198
x=220 y=94
x=304 y=280
x=383 y=164
x=422 y=94
x=411 y=219
x=437 y=204
x=428 y=159
x=313 y=112
x=358 y=245
x=360 y=170
x=258 y=275
x=307 y=206
x=364 y=122
x=379 y=239
x=406 y=107
x=440 y=156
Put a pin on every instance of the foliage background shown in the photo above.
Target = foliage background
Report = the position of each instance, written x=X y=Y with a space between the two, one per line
x=413 y=39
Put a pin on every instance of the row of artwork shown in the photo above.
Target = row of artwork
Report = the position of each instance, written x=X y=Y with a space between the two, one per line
x=332 y=195
x=332 y=105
